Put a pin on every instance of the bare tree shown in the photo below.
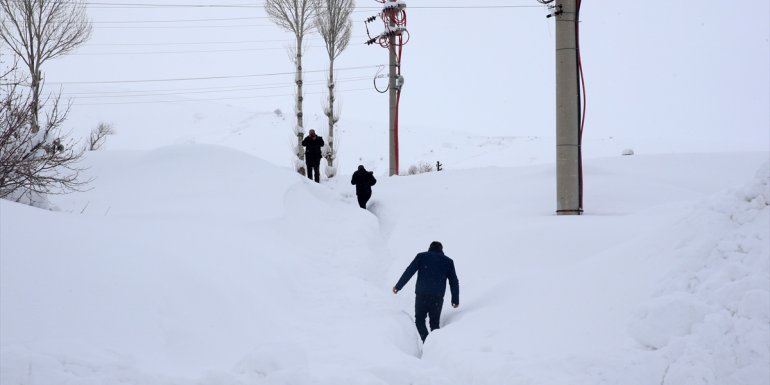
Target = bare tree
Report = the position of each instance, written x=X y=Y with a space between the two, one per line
x=33 y=164
x=294 y=16
x=333 y=23
x=39 y=30
x=99 y=136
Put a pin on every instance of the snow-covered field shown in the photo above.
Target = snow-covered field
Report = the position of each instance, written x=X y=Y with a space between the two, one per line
x=198 y=257
x=201 y=264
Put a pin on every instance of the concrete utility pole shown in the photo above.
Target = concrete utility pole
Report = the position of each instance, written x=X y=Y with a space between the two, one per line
x=393 y=104
x=568 y=163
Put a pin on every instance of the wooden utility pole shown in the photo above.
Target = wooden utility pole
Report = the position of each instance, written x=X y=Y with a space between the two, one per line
x=568 y=162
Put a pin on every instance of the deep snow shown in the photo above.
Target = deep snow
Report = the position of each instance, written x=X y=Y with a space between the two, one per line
x=191 y=263
x=199 y=264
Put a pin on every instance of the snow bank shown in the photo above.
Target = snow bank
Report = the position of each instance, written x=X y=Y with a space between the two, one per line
x=197 y=264
x=565 y=300
x=711 y=320
x=186 y=260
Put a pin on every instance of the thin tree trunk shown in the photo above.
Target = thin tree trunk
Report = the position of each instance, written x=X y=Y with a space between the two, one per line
x=330 y=117
x=298 y=107
x=33 y=55
x=35 y=100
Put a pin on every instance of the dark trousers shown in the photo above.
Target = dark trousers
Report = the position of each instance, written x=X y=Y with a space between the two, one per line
x=427 y=305
x=363 y=198
x=312 y=169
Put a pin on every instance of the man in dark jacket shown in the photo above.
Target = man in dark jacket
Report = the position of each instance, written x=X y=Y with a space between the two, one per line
x=364 y=180
x=433 y=269
x=313 y=144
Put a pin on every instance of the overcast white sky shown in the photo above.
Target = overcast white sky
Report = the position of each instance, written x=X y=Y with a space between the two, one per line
x=662 y=76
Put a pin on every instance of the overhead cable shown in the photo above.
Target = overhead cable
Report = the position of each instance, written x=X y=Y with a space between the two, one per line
x=215 y=99
x=207 y=42
x=170 y=92
x=207 y=77
x=246 y=5
x=181 y=52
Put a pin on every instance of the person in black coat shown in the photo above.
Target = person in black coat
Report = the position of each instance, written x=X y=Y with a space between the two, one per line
x=313 y=144
x=364 y=180
x=433 y=270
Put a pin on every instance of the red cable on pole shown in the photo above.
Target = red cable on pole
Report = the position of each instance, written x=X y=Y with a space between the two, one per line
x=580 y=68
x=393 y=16
x=398 y=94
x=398 y=99
x=583 y=92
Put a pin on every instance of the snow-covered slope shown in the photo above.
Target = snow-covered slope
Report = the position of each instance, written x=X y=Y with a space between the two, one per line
x=199 y=264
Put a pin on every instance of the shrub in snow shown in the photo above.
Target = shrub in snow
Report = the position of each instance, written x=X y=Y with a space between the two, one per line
x=419 y=168
x=99 y=136
x=278 y=113
x=628 y=151
x=35 y=159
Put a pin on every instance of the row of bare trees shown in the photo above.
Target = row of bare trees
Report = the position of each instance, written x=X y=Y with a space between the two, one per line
x=331 y=18
x=36 y=159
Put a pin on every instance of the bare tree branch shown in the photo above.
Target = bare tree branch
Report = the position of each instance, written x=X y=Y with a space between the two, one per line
x=99 y=136
x=295 y=16
x=332 y=20
x=28 y=164
x=40 y=30
x=334 y=25
x=292 y=15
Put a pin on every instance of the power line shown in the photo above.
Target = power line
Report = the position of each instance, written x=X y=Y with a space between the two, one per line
x=191 y=89
x=190 y=43
x=157 y=5
x=177 y=20
x=465 y=6
x=187 y=26
x=172 y=92
x=180 y=52
x=211 y=42
x=215 y=99
x=208 y=77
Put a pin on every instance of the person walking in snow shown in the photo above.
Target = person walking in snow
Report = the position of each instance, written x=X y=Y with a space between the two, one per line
x=364 y=180
x=433 y=270
x=313 y=144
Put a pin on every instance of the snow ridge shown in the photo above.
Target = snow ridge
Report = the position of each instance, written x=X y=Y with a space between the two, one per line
x=711 y=321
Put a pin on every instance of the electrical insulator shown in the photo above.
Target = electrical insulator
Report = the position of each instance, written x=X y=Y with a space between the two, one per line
x=394 y=4
x=399 y=82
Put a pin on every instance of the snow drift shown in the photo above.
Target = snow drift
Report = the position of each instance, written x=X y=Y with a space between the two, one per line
x=198 y=264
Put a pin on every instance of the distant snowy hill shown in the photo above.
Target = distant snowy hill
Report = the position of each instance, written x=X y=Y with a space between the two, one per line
x=200 y=264
x=268 y=136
